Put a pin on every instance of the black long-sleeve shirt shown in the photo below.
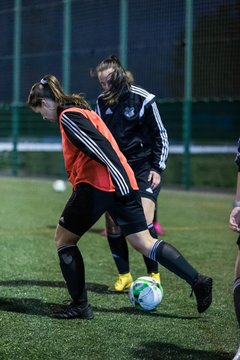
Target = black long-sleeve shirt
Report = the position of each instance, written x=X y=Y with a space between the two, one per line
x=136 y=124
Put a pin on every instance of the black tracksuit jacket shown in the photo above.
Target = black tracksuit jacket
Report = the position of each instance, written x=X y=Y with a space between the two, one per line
x=136 y=124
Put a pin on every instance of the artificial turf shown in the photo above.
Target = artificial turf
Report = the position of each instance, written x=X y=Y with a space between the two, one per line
x=31 y=284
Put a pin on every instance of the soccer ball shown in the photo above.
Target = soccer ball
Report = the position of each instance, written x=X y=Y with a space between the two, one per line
x=59 y=185
x=145 y=293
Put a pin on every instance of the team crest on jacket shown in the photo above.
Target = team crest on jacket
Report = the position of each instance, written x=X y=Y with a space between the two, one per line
x=129 y=112
x=108 y=111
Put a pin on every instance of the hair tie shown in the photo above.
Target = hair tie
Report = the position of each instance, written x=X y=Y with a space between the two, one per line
x=43 y=81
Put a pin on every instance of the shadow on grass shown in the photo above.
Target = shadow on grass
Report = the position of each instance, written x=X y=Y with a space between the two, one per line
x=158 y=350
x=148 y=350
x=26 y=306
x=30 y=306
x=37 y=307
x=97 y=288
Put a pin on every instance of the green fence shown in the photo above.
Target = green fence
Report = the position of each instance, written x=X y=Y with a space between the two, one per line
x=211 y=123
x=38 y=142
x=186 y=52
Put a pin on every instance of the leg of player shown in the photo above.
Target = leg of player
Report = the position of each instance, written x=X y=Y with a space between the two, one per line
x=119 y=250
x=149 y=209
x=120 y=253
x=236 y=286
x=236 y=293
x=72 y=267
x=174 y=261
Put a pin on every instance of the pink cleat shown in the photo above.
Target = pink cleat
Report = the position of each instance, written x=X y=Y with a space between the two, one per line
x=159 y=230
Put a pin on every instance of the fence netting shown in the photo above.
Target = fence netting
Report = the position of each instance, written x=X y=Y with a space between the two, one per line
x=155 y=44
x=154 y=52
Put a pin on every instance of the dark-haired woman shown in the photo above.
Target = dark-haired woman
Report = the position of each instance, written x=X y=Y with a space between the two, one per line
x=132 y=116
x=102 y=181
x=234 y=223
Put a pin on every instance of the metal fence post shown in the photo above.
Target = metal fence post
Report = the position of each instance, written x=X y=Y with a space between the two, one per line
x=187 y=102
x=16 y=85
x=66 y=45
x=123 y=42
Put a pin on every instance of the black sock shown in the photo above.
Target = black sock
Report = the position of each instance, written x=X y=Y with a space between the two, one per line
x=151 y=265
x=171 y=259
x=72 y=266
x=236 y=298
x=119 y=249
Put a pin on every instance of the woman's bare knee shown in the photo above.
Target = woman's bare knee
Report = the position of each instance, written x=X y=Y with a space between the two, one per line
x=64 y=236
x=141 y=241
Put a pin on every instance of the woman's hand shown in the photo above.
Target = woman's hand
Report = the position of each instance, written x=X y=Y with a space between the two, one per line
x=234 y=219
x=155 y=179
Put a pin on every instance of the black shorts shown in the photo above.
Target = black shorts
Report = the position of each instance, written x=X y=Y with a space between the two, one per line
x=87 y=204
x=141 y=172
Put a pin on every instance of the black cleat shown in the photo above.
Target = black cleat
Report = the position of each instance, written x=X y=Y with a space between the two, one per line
x=202 y=289
x=74 y=311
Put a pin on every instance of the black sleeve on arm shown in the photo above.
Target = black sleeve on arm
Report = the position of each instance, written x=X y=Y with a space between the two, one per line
x=83 y=134
x=160 y=145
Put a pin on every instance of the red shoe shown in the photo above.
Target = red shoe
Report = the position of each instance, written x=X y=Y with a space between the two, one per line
x=103 y=232
x=159 y=230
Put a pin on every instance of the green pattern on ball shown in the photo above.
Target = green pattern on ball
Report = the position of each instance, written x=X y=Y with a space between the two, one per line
x=145 y=293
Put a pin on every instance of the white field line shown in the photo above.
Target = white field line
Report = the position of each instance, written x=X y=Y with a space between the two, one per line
x=174 y=149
